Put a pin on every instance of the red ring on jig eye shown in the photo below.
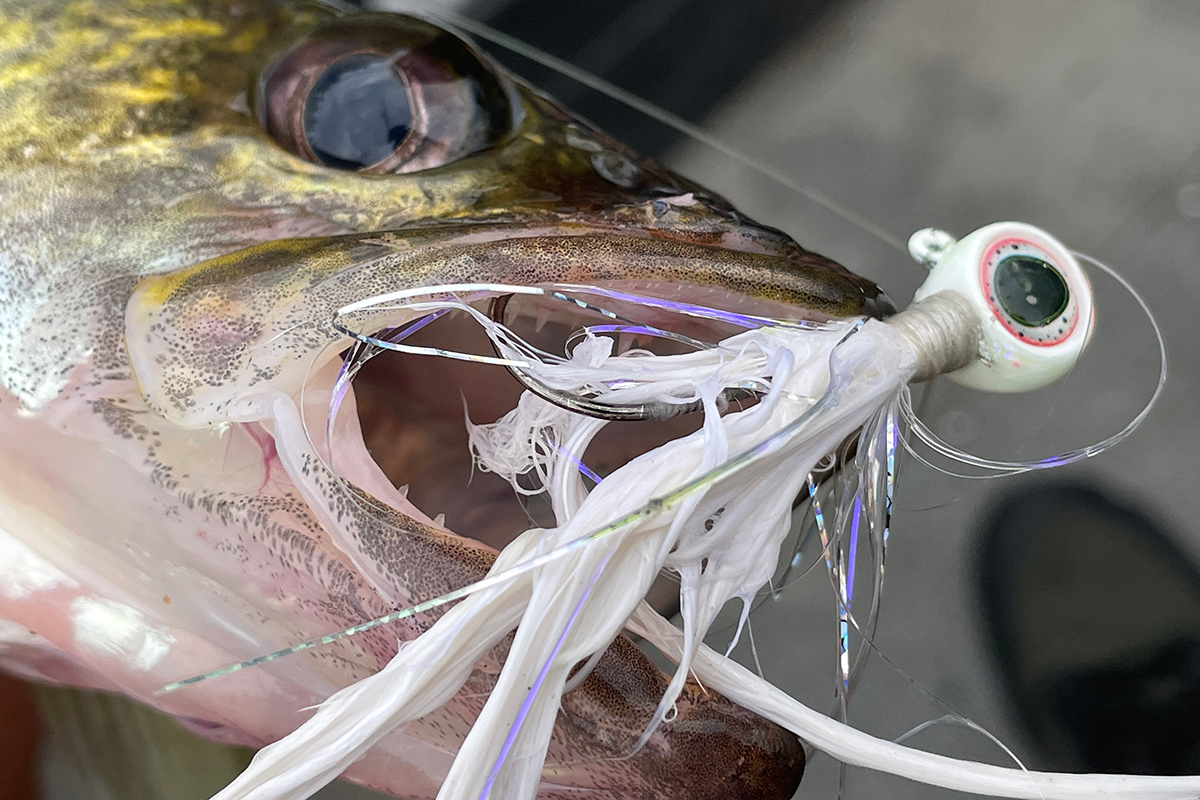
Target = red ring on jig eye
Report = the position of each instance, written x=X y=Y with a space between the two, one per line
x=1018 y=253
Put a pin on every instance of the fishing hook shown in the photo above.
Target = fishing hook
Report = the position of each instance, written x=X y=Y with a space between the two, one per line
x=613 y=412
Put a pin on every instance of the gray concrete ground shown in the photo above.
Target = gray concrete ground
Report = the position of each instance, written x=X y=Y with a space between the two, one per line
x=1080 y=117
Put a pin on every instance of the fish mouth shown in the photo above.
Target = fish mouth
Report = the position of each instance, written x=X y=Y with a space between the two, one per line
x=408 y=412
x=411 y=408
x=257 y=337
x=253 y=342
x=207 y=344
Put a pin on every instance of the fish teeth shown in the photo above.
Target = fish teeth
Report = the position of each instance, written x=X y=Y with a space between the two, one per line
x=543 y=316
x=403 y=490
x=440 y=520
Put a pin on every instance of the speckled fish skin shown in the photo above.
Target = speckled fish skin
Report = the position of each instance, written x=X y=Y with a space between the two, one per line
x=147 y=528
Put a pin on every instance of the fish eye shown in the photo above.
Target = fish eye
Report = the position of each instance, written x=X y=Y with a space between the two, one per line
x=383 y=93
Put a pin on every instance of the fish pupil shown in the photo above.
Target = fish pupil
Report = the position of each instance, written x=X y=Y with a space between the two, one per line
x=1030 y=290
x=357 y=113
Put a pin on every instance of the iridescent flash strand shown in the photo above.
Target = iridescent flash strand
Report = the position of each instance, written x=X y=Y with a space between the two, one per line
x=833 y=566
x=433 y=300
x=747 y=321
x=523 y=712
x=876 y=463
x=650 y=509
x=893 y=441
x=583 y=468
x=852 y=550
x=819 y=516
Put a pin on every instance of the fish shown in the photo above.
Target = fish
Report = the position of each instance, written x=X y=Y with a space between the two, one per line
x=189 y=191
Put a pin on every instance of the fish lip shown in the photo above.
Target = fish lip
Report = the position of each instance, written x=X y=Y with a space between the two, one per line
x=709 y=221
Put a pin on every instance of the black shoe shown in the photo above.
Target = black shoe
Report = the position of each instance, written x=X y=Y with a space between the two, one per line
x=1094 y=616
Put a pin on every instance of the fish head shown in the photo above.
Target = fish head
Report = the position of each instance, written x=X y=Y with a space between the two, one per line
x=193 y=192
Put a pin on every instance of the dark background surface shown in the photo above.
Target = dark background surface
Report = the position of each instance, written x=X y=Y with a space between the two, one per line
x=682 y=55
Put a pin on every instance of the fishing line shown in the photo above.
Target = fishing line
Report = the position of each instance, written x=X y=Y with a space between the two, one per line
x=919 y=429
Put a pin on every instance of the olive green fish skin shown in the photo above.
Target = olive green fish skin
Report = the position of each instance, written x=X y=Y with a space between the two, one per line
x=128 y=151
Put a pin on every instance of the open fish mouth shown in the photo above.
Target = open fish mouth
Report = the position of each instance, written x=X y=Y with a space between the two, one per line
x=411 y=408
x=209 y=351
x=253 y=343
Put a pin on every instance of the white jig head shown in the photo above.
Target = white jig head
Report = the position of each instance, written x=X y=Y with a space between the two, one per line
x=1033 y=299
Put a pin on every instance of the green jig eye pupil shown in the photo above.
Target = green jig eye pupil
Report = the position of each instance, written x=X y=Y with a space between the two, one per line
x=1030 y=290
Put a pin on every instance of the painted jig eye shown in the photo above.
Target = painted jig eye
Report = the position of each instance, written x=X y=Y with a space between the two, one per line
x=1034 y=301
x=383 y=93
x=1030 y=290
x=1026 y=292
